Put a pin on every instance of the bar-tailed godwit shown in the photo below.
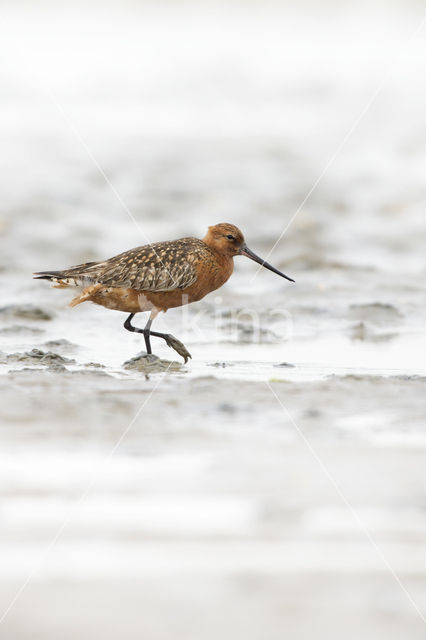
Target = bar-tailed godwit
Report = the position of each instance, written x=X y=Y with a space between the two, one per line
x=159 y=276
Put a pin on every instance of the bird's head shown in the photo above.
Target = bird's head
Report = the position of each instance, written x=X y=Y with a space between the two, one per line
x=228 y=240
x=225 y=238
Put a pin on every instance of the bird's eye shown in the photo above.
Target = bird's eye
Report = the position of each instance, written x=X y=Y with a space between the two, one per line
x=230 y=237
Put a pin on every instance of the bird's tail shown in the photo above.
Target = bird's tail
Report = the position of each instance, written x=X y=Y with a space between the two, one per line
x=48 y=275
x=74 y=277
x=59 y=278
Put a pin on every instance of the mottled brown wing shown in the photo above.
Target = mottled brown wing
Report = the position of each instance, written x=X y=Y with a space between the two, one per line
x=162 y=266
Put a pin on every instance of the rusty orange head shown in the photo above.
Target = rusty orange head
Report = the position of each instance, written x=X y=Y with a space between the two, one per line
x=227 y=239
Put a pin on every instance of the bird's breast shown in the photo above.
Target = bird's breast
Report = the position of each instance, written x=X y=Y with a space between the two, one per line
x=212 y=273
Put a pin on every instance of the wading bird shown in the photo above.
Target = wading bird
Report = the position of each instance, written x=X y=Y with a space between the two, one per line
x=159 y=276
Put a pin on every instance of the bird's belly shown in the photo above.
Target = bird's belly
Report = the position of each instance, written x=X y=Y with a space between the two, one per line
x=116 y=298
x=164 y=300
x=132 y=301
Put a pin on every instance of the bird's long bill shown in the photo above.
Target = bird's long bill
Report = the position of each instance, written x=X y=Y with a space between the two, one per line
x=245 y=251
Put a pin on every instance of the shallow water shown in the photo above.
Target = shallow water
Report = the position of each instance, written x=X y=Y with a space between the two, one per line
x=271 y=485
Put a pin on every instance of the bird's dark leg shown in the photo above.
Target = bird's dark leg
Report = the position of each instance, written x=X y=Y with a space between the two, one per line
x=146 y=333
x=171 y=341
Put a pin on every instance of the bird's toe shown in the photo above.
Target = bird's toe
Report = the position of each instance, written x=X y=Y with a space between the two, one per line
x=179 y=347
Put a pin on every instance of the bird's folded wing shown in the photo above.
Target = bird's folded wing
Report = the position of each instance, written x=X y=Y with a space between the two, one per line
x=147 y=270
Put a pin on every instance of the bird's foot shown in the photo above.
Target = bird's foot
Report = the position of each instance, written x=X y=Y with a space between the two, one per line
x=178 y=346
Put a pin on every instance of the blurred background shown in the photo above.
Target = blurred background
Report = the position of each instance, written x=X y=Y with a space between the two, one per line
x=195 y=505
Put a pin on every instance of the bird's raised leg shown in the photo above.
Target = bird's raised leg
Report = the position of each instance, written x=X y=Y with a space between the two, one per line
x=174 y=343
x=146 y=333
x=171 y=341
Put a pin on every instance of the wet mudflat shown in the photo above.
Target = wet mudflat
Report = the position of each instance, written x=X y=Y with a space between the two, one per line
x=234 y=484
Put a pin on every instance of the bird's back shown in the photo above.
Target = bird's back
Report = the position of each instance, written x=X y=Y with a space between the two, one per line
x=160 y=266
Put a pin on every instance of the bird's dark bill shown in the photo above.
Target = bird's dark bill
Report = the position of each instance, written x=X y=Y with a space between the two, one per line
x=245 y=251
